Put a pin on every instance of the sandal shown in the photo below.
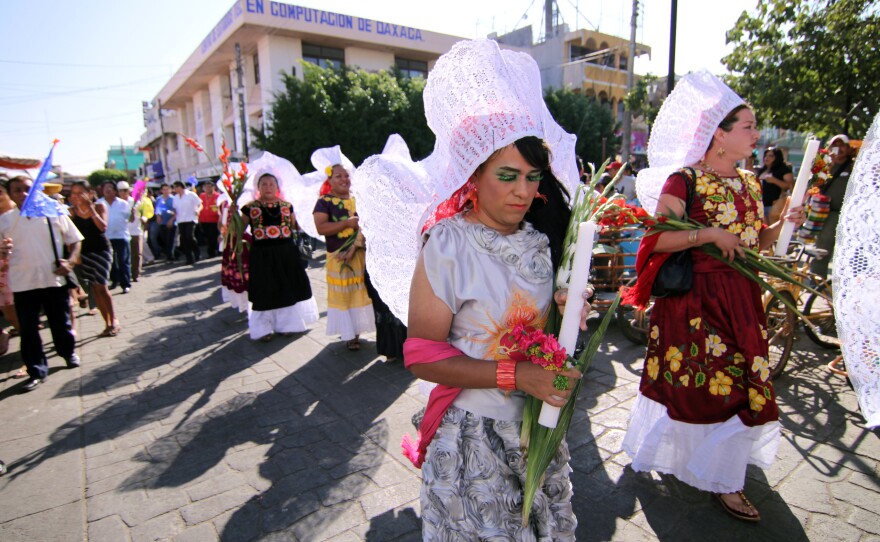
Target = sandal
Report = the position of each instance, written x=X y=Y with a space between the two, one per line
x=21 y=373
x=266 y=338
x=353 y=345
x=110 y=331
x=736 y=513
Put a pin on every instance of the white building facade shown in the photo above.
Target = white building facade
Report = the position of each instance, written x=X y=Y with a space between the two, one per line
x=201 y=99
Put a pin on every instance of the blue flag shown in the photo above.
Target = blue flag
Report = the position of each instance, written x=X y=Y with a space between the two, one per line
x=193 y=180
x=37 y=204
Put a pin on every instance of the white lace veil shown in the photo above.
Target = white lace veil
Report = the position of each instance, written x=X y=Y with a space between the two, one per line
x=309 y=188
x=856 y=276
x=683 y=130
x=478 y=99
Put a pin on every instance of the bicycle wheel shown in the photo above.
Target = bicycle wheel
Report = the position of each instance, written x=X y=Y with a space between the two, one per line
x=781 y=325
x=634 y=323
x=820 y=311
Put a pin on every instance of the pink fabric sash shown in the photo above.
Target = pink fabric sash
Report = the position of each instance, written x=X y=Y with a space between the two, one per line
x=417 y=351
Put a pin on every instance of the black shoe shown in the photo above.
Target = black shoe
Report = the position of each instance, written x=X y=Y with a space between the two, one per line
x=73 y=362
x=125 y=290
x=112 y=286
x=31 y=384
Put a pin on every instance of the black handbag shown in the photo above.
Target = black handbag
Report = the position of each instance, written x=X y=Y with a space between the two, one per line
x=303 y=248
x=676 y=275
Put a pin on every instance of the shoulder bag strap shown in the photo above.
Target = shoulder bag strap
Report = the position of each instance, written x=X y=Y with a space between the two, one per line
x=52 y=239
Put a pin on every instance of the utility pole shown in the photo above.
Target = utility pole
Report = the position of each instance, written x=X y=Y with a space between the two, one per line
x=161 y=139
x=239 y=69
x=124 y=157
x=627 y=114
x=670 y=76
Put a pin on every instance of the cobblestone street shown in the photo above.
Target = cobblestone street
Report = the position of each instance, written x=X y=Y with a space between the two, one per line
x=182 y=428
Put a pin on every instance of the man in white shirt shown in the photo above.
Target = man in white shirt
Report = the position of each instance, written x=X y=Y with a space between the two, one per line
x=626 y=185
x=186 y=211
x=118 y=215
x=37 y=273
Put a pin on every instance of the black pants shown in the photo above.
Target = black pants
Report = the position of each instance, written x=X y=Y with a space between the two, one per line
x=188 y=241
x=210 y=233
x=55 y=302
x=166 y=241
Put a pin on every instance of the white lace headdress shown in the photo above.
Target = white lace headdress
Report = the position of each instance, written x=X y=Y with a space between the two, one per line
x=284 y=172
x=856 y=276
x=683 y=130
x=309 y=189
x=478 y=99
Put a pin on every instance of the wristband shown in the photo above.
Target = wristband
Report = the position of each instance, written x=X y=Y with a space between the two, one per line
x=692 y=237
x=505 y=375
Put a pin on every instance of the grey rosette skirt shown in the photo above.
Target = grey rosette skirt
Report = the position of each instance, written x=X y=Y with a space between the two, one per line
x=472 y=485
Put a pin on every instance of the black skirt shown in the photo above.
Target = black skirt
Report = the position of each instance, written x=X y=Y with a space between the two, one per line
x=390 y=331
x=277 y=277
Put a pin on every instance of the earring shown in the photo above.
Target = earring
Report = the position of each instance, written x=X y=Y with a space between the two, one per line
x=541 y=197
x=470 y=195
x=720 y=152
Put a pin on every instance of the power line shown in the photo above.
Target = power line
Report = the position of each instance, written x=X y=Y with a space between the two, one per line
x=131 y=113
x=74 y=65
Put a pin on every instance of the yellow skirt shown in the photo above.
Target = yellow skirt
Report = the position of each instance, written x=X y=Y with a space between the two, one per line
x=345 y=282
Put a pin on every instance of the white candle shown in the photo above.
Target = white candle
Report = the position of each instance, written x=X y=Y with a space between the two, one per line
x=568 y=331
x=797 y=196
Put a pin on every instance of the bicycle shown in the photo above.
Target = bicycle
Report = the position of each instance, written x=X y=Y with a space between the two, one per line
x=818 y=309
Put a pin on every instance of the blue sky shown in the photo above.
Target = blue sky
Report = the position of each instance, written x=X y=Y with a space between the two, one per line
x=78 y=70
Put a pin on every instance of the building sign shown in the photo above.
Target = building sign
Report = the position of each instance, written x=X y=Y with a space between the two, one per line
x=221 y=28
x=325 y=18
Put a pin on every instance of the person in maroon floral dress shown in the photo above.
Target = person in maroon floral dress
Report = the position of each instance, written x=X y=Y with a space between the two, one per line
x=706 y=406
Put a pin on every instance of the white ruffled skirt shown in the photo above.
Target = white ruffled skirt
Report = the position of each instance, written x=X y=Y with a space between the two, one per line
x=711 y=457
x=351 y=322
x=237 y=300
x=292 y=319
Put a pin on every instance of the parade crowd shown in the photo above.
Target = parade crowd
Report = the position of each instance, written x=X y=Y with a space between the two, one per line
x=476 y=230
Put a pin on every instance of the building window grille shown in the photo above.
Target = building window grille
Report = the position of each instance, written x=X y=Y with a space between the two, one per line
x=411 y=68
x=326 y=57
x=257 y=69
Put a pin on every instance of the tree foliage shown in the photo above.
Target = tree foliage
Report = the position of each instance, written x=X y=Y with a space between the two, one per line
x=101 y=176
x=809 y=65
x=638 y=101
x=586 y=118
x=352 y=108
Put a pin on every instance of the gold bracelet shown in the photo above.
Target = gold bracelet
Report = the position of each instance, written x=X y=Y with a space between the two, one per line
x=692 y=237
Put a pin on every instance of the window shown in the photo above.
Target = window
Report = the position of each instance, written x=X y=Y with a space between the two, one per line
x=577 y=52
x=256 y=69
x=411 y=68
x=326 y=57
x=622 y=63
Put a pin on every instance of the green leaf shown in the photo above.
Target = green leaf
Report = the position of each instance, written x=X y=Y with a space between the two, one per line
x=766 y=392
x=716 y=198
x=695 y=350
x=700 y=379
x=734 y=370
x=668 y=376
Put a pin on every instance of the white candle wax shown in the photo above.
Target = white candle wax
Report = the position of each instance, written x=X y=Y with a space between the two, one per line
x=570 y=327
x=797 y=196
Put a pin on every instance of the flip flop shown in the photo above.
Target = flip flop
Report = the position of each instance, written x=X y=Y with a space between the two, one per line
x=266 y=338
x=737 y=514
x=21 y=373
x=353 y=345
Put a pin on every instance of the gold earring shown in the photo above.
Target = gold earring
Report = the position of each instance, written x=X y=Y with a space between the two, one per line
x=720 y=152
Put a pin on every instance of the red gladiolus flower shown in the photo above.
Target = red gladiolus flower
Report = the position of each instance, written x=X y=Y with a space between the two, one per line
x=194 y=144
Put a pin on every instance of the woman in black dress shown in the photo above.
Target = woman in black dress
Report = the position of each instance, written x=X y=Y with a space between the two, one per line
x=90 y=219
x=776 y=178
x=278 y=290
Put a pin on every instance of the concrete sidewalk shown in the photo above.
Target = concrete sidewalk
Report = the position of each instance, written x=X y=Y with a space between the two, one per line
x=181 y=428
